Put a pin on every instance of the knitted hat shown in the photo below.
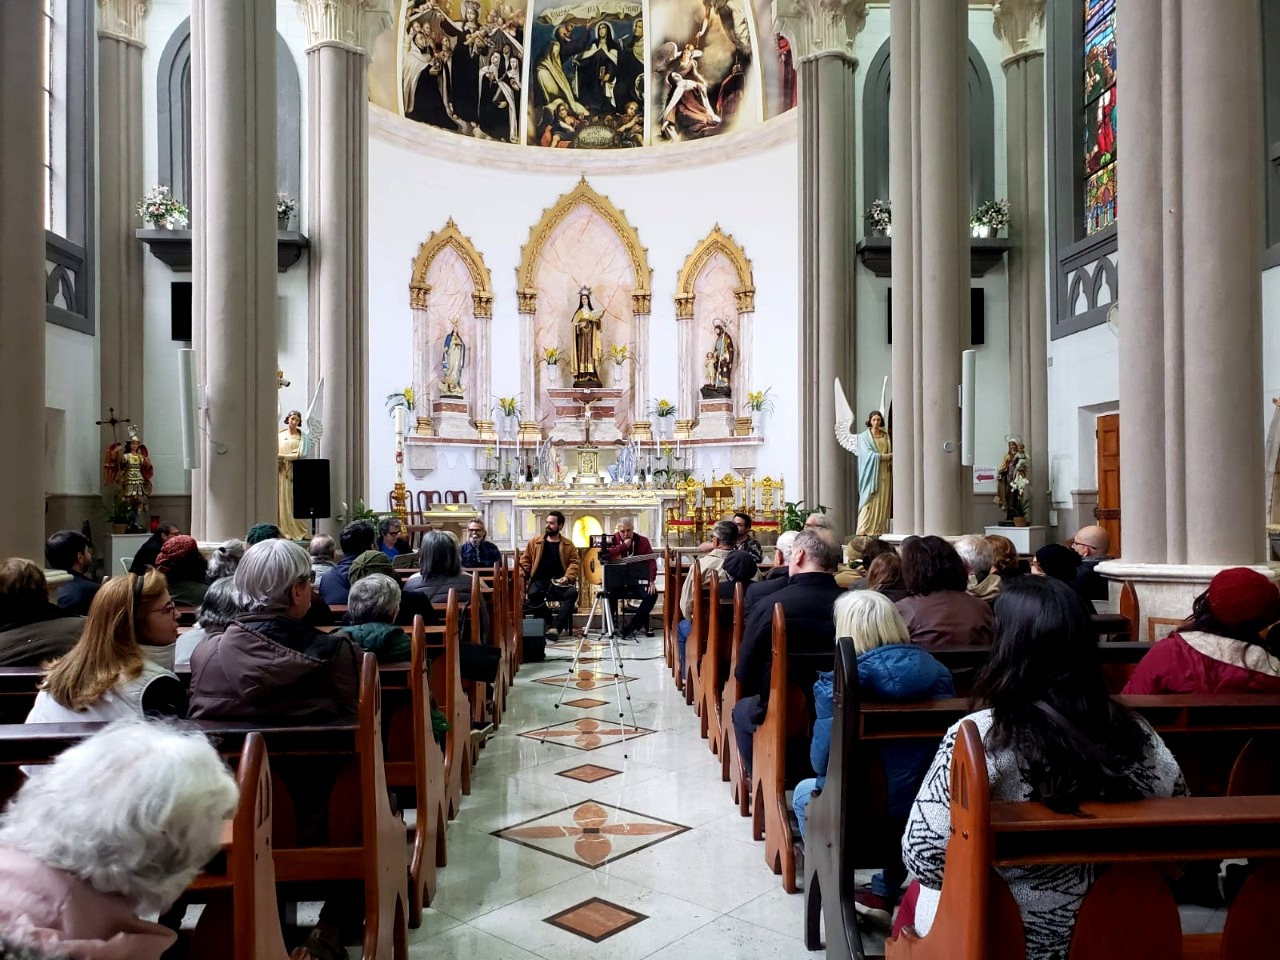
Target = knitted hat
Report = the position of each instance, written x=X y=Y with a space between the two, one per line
x=1058 y=561
x=740 y=567
x=371 y=561
x=174 y=549
x=262 y=531
x=1240 y=596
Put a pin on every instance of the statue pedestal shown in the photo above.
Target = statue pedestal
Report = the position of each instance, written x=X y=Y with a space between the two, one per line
x=452 y=419
x=715 y=419
x=1027 y=539
x=571 y=414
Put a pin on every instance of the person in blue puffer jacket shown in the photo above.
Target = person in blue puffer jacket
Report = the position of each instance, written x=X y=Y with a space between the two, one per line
x=890 y=667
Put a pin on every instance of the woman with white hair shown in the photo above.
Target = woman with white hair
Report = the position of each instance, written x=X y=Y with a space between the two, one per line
x=225 y=559
x=117 y=825
x=268 y=664
x=216 y=612
x=372 y=607
x=891 y=668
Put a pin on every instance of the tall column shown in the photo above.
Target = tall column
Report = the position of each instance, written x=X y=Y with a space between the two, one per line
x=22 y=278
x=233 y=94
x=1019 y=24
x=828 y=161
x=120 y=109
x=338 y=165
x=1222 y=202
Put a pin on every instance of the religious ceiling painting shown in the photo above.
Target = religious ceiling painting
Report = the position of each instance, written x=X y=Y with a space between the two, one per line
x=384 y=58
x=1100 y=117
x=461 y=66
x=586 y=80
x=784 y=88
x=705 y=78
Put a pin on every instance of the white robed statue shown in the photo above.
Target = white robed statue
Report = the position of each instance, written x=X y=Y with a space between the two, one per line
x=452 y=361
x=874 y=451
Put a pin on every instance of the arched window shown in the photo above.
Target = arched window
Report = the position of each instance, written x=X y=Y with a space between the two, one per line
x=875 y=129
x=173 y=92
x=1099 y=115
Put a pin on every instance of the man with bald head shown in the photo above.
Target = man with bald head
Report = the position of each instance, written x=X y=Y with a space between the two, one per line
x=1093 y=543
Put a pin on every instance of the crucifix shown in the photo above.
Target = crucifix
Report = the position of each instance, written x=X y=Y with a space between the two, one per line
x=586 y=412
x=113 y=421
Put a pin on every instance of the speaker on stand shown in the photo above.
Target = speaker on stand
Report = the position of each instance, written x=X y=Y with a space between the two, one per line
x=311 y=491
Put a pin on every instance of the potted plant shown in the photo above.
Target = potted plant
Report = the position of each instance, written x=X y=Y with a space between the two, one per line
x=880 y=216
x=990 y=218
x=358 y=512
x=619 y=354
x=795 y=513
x=1019 y=505
x=759 y=406
x=403 y=398
x=664 y=418
x=508 y=415
x=285 y=205
x=489 y=480
x=159 y=208
x=120 y=515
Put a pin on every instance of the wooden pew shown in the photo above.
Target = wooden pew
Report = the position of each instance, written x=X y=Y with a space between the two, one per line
x=1119 y=660
x=446 y=684
x=693 y=645
x=673 y=583
x=1129 y=912
x=711 y=672
x=730 y=763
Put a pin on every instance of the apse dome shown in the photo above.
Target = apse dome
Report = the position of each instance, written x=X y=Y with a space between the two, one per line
x=597 y=75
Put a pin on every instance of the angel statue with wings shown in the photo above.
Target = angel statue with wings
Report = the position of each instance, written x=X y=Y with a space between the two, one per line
x=127 y=467
x=296 y=441
x=874 y=451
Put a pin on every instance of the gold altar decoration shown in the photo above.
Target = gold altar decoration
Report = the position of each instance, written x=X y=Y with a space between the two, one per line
x=531 y=252
x=701 y=505
x=717 y=241
x=451 y=237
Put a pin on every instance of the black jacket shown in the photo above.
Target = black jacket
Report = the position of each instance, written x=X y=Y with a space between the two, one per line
x=764 y=588
x=147 y=554
x=28 y=638
x=75 y=597
x=808 y=600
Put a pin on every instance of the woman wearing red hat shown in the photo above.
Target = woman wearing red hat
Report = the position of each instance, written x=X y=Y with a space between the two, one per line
x=1220 y=649
x=185 y=569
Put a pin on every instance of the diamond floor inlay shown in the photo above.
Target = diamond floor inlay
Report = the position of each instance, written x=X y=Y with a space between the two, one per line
x=586 y=703
x=589 y=773
x=583 y=680
x=596 y=919
x=591 y=833
x=587 y=733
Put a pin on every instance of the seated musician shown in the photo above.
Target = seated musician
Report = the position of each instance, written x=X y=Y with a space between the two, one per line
x=890 y=667
x=550 y=566
x=627 y=543
x=32 y=630
x=117 y=826
x=938 y=609
x=808 y=601
x=1052 y=734
x=1221 y=649
x=478 y=550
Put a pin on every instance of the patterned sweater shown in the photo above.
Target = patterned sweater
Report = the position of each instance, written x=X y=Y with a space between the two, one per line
x=1048 y=896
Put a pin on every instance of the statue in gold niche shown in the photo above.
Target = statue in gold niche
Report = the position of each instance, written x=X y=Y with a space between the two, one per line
x=587 y=322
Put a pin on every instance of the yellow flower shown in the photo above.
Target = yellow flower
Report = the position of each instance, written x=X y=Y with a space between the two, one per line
x=408 y=397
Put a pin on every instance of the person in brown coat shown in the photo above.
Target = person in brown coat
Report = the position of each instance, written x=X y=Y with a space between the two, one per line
x=550 y=566
x=938 y=611
x=32 y=630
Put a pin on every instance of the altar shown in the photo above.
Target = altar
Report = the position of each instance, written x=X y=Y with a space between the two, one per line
x=513 y=517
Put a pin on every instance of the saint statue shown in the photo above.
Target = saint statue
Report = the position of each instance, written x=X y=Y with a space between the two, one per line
x=451 y=363
x=720 y=364
x=586 y=341
x=127 y=467
x=293 y=444
x=875 y=477
x=1012 y=480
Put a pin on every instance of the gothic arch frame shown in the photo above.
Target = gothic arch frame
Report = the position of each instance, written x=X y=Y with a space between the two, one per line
x=717 y=241
x=450 y=237
x=583 y=193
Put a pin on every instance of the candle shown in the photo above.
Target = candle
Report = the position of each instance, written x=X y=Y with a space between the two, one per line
x=399 y=420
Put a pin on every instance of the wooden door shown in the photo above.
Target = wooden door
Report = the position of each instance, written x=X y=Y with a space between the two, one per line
x=1108 y=509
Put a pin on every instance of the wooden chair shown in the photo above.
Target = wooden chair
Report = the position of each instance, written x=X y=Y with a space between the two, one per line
x=455 y=496
x=730 y=763
x=446 y=685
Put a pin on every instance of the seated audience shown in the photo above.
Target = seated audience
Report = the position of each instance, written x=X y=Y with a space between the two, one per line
x=738 y=568
x=122 y=665
x=1093 y=544
x=477 y=549
x=776 y=578
x=807 y=600
x=550 y=566
x=820 y=521
x=1005 y=562
x=1219 y=650
x=262 y=531
x=324 y=555
x=938 y=609
x=390 y=541
x=977 y=556
x=217 y=610
x=1052 y=733
x=724 y=539
x=226 y=557
x=184 y=569
x=372 y=607
x=885 y=576
x=70 y=551
x=147 y=553
x=1060 y=563
x=863 y=551
x=356 y=537
x=269 y=664
x=32 y=630
x=627 y=543
x=746 y=542
x=116 y=827
x=410 y=604
x=891 y=668
x=439 y=571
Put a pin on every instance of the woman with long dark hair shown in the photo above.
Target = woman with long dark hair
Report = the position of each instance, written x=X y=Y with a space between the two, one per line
x=1052 y=734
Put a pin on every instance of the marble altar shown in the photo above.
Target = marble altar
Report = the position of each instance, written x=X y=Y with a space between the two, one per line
x=512 y=517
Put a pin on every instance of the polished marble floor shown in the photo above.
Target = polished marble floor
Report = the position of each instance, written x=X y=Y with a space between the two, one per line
x=631 y=849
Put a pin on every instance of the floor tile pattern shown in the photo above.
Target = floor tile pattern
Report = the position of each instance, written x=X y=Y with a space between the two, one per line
x=596 y=919
x=586 y=703
x=587 y=733
x=589 y=773
x=584 y=680
x=591 y=833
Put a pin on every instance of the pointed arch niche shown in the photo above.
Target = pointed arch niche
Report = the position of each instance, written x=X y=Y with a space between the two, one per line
x=715 y=284
x=584 y=240
x=450 y=282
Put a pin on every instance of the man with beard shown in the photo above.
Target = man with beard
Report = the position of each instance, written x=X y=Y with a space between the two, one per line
x=550 y=565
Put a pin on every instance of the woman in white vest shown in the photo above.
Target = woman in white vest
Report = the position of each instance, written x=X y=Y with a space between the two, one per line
x=122 y=666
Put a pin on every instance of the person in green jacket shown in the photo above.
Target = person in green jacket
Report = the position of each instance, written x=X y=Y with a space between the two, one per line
x=372 y=607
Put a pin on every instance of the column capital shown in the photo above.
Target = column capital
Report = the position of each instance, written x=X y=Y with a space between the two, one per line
x=122 y=20
x=824 y=26
x=1019 y=26
x=350 y=24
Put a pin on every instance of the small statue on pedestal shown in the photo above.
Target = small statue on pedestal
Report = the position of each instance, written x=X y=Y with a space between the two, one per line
x=127 y=467
x=452 y=361
x=720 y=365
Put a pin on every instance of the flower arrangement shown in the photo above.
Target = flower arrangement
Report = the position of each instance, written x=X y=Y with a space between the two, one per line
x=993 y=214
x=402 y=399
x=662 y=408
x=880 y=214
x=160 y=208
x=619 y=354
x=285 y=205
x=552 y=356
x=759 y=401
x=508 y=406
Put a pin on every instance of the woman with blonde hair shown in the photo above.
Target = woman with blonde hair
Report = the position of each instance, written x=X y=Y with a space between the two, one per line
x=122 y=665
x=890 y=667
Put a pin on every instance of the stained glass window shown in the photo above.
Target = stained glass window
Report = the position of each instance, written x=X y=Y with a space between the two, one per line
x=1100 y=117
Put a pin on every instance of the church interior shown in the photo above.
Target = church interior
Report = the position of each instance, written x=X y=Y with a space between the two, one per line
x=692 y=300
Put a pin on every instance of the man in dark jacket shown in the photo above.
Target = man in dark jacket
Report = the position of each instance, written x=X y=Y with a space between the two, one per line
x=70 y=551
x=150 y=550
x=777 y=577
x=32 y=630
x=356 y=538
x=807 y=601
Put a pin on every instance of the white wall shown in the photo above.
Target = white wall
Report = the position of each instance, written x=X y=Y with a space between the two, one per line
x=73 y=456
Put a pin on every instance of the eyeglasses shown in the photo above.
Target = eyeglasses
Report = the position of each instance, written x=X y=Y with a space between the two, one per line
x=168 y=610
x=308 y=577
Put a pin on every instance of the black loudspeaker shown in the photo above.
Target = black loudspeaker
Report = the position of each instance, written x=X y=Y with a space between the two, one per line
x=310 y=489
x=977 y=316
x=180 y=311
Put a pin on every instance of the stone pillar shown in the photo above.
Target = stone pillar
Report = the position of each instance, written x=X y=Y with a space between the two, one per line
x=120 y=161
x=233 y=95
x=828 y=233
x=1019 y=24
x=641 y=311
x=338 y=94
x=687 y=382
x=22 y=275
